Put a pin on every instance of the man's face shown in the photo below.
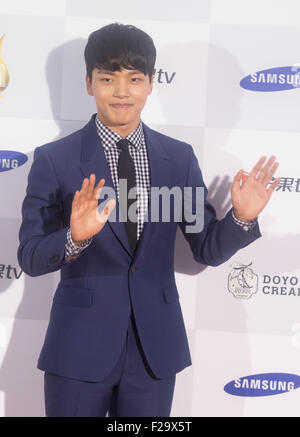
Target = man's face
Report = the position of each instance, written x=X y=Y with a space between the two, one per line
x=120 y=97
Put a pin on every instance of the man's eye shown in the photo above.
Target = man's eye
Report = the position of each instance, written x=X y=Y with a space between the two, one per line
x=136 y=79
x=105 y=79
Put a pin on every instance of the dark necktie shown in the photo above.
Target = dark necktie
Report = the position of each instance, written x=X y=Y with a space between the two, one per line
x=126 y=171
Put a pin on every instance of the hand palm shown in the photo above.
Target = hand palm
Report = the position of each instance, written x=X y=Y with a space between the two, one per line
x=251 y=197
x=86 y=221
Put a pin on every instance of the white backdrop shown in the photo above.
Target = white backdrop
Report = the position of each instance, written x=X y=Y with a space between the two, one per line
x=205 y=48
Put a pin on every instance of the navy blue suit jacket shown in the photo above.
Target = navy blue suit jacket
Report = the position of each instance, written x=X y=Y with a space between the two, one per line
x=91 y=305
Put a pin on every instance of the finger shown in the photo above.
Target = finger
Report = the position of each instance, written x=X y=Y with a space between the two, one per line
x=103 y=216
x=76 y=196
x=257 y=167
x=90 y=189
x=75 y=200
x=84 y=187
x=244 y=176
x=81 y=201
x=99 y=186
x=237 y=180
x=270 y=174
x=109 y=207
x=265 y=170
x=273 y=186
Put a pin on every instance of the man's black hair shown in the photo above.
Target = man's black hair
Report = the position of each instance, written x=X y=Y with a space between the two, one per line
x=120 y=45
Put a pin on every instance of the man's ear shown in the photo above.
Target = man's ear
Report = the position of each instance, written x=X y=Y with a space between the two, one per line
x=88 y=85
x=151 y=84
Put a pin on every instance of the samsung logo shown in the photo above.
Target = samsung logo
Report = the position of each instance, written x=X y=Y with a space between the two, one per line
x=264 y=384
x=273 y=79
x=10 y=159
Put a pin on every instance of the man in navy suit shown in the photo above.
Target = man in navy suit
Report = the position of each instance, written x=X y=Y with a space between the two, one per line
x=116 y=336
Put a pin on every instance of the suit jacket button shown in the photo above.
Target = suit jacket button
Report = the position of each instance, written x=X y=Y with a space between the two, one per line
x=133 y=269
x=54 y=259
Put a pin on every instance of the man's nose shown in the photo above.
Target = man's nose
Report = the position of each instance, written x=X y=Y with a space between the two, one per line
x=121 y=88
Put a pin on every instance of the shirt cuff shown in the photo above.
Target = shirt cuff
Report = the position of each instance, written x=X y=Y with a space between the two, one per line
x=72 y=250
x=247 y=226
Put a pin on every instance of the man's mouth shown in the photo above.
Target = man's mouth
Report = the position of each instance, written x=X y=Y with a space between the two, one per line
x=121 y=105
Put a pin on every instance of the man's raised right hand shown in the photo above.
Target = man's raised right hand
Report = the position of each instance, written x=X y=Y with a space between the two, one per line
x=86 y=221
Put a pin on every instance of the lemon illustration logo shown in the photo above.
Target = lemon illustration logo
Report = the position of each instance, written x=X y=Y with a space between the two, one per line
x=242 y=281
x=4 y=75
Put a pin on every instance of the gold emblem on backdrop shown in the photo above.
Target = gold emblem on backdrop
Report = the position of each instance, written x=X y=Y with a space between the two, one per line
x=4 y=75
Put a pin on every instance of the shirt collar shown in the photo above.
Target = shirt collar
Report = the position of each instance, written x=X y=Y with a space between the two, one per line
x=110 y=137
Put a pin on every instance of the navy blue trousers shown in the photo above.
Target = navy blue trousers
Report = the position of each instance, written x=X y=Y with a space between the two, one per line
x=130 y=390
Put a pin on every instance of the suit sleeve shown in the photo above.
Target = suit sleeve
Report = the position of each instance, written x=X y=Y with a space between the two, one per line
x=42 y=235
x=218 y=240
